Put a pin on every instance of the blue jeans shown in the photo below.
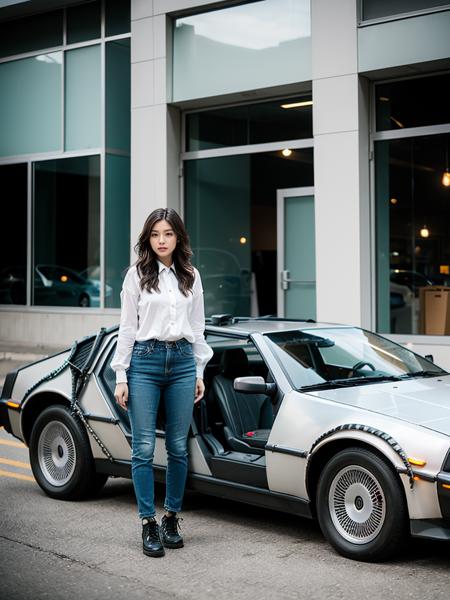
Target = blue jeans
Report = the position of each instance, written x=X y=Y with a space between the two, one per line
x=158 y=369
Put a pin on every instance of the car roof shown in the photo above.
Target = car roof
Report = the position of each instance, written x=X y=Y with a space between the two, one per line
x=246 y=327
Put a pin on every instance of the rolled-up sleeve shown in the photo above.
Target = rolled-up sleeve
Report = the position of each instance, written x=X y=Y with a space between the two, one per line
x=129 y=297
x=202 y=352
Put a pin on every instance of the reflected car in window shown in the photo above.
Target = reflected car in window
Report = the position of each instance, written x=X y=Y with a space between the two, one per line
x=321 y=421
x=411 y=279
x=53 y=285
x=226 y=285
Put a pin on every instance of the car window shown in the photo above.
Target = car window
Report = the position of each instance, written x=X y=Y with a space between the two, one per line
x=317 y=356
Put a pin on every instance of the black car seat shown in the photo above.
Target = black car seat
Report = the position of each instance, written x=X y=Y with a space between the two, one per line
x=248 y=418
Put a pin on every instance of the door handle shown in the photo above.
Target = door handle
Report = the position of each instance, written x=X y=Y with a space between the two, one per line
x=286 y=280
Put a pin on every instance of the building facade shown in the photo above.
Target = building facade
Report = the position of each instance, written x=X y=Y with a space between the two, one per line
x=305 y=142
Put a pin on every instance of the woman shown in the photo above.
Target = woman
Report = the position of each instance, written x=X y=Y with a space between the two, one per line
x=161 y=353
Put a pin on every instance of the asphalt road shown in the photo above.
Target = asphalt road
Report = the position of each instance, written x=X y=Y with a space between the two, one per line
x=92 y=549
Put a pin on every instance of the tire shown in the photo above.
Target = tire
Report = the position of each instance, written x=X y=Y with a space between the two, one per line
x=361 y=506
x=61 y=457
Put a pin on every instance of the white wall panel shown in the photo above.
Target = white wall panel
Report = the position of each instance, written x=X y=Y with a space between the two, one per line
x=142 y=84
x=334 y=37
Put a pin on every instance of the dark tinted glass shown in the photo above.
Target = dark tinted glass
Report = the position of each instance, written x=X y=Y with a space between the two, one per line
x=377 y=9
x=413 y=103
x=13 y=241
x=231 y=216
x=31 y=33
x=117 y=15
x=413 y=237
x=250 y=124
x=67 y=232
x=83 y=22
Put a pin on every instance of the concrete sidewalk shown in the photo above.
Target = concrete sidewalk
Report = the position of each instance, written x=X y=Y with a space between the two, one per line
x=14 y=355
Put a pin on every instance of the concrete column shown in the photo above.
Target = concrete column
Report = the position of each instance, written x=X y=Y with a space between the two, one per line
x=155 y=128
x=341 y=166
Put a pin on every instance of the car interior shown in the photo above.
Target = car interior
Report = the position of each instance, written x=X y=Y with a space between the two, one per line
x=241 y=422
x=234 y=426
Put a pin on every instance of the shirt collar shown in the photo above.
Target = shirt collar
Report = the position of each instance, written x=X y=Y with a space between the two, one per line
x=162 y=267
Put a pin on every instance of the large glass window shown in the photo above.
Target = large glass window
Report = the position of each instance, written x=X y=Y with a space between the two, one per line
x=30 y=105
x=13 y=241
x=231 y=218
x=413 y=102
x=413 y=237
x=288 y=119
x=56 y=103
x=244 y=47
x=67 y=232
x=83 y=98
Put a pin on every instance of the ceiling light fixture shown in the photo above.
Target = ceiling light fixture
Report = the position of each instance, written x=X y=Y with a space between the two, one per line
x=286 y=152
x=446 y=175
x=297 y=104
x=424 y=232
x=397 y=122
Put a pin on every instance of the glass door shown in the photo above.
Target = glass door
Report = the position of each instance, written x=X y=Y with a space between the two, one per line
x=296 y=253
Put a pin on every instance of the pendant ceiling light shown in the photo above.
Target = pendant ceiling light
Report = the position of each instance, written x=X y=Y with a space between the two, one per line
x=446 y=175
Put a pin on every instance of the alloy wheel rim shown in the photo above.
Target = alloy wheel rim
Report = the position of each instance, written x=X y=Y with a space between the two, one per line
x=57 y=453
x=357 y=504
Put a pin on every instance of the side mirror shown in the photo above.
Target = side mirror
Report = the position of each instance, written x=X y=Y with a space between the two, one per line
x=429 y=357
x=254 y=385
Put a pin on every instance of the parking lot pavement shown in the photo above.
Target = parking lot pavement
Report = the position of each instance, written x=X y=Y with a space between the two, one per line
x=13 y=355
x=70 y=550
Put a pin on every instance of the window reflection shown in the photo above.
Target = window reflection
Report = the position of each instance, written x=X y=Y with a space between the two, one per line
x=413 y=210
x=13 y=241
x=67 y=232
x=250 y=124
x=208 y=47
x=231 y=217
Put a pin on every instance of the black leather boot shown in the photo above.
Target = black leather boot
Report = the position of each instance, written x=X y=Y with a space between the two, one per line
x=170 y=535
x=151 y=541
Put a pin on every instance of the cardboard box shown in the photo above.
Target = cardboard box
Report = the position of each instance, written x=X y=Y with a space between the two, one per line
x=434 y=310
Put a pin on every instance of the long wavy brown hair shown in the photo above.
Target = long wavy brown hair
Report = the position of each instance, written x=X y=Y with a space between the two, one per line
x=146 y=264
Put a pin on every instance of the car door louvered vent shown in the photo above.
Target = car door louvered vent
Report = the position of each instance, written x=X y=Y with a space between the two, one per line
x=83 y=349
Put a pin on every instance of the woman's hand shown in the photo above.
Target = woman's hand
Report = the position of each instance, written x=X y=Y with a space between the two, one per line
x=199 y=390
x=121 y=395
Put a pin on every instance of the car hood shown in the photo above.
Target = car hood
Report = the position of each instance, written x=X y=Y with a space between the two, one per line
x=422 y=401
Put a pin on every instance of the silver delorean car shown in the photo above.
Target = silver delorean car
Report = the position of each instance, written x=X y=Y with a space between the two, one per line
x=318 y=420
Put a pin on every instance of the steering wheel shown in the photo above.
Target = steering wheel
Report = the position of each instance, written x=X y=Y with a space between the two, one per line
x=362 y=363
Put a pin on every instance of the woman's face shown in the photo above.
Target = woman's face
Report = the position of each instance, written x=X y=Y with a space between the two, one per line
x=163 y=240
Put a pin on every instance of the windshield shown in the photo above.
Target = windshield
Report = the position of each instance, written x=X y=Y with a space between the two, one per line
x=341 y=356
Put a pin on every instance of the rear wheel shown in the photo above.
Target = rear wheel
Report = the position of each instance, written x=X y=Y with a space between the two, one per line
x=360 y=506
x=61 y=457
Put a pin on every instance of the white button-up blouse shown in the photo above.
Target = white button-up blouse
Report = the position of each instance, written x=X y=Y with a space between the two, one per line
x=167 y=316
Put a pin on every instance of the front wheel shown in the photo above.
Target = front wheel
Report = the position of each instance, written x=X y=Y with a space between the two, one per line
x=61 y=457
x=360 y=506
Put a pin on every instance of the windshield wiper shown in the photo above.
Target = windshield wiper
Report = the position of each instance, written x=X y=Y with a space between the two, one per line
x=423 y=374
x=352 y=381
